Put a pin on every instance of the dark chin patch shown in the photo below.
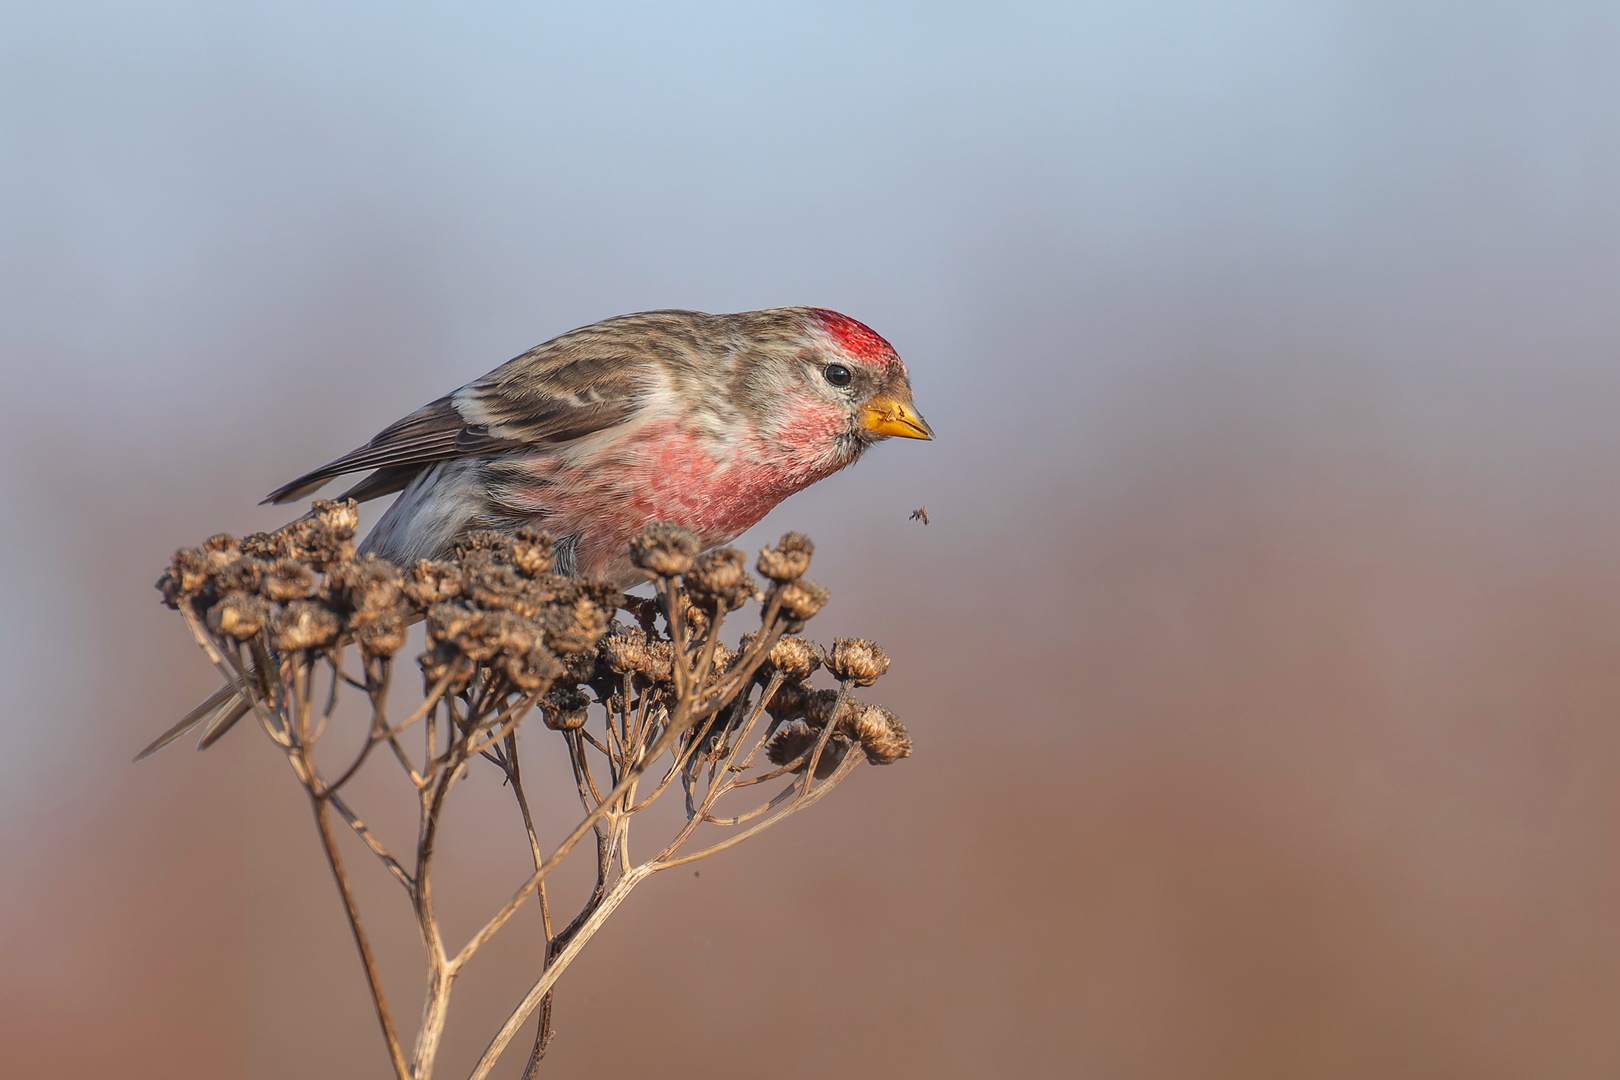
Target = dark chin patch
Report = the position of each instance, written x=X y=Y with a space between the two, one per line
x=853 y=443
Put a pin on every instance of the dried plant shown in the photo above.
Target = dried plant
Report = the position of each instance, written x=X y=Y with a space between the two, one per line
x=642 y=706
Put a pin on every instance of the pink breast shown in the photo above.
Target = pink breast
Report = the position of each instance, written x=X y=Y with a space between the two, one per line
x=665 y=472
x=717 y=496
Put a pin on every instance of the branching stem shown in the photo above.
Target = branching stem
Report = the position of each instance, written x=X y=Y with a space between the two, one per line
x=500 y=631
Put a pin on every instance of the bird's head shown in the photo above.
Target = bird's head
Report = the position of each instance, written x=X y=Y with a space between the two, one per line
x=834 y=385
x=864 y=374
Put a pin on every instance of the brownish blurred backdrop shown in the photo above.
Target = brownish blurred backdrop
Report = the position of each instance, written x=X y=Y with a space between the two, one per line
x=1263 y=653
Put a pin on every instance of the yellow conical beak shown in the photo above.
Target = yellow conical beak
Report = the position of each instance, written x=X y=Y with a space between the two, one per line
x=887 y=416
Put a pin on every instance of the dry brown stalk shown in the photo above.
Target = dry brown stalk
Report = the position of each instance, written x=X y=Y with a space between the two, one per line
x=641 y=706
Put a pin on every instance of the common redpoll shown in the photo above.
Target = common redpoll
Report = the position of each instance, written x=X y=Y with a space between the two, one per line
x=703 y=421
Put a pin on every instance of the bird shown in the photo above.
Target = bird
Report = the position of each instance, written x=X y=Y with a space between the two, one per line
x=702 y=421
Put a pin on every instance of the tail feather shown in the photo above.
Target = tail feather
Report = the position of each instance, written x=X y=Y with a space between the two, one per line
x=226 y=720
x=214 y=710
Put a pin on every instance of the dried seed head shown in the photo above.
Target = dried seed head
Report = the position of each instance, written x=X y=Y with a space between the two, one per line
x=717 y=578
x=795 y=657
x=565 y=708
x=801 y=599
x=238 y=615
x=485 y=540
x=221 y=550
x=341 y=518
x=318 y=544
x=663 y=550
x=660 y=662
x=610 y=598
x=579 y=668
x=624 y=652
x=881 y=734
x=516 y=672
x=188 y=574
x=504 y=634
x=494 y=587
x=302 y=625
x=245 y=574
x=575 y=627
x=695 y=618
x=530 y=552
x=724 y=658
x=858 y=661
x=500 y=616
x=379 y=633
x=368 y=584
x=796 y=739
x=788 y=701
x=790 y=740
x=531 y=671
x=432 y=583
x=444 y=660
x=286 y=580
x=550 y=590
x=265 y=545
x=817 y=707
x=788 y=560
x=448 y=623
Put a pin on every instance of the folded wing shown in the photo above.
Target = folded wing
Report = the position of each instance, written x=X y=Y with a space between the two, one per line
x=568 y=388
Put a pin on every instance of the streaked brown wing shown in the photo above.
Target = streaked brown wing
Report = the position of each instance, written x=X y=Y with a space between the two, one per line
x=402 y=449
x=571 y=386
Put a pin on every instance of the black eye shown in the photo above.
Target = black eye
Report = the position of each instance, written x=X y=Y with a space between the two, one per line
x=837 y=374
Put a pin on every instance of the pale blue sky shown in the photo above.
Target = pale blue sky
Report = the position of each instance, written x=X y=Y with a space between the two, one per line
x=235 y=239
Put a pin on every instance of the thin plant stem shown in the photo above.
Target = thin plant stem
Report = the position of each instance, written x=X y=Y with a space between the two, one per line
x=808 y=797
x=542 y=986
x=373 y=979
x=514 y=773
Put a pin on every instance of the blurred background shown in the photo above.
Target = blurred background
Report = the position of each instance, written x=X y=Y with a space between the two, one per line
x=1261 y=655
